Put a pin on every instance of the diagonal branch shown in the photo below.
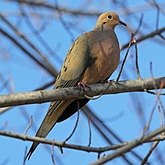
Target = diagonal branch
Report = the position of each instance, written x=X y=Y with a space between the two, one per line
x=144 y=37
x=43 y=63
x=139 y=85
x=130 y=145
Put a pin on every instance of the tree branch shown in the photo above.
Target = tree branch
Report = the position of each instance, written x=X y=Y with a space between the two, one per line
x=75 y=92
x=55 y=8
x=144 y=37
x=60 y=144
x=129 y=146
x=120 y=148
x=43 y=63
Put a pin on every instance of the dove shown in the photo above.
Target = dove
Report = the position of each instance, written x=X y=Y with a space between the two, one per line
x=92 y=58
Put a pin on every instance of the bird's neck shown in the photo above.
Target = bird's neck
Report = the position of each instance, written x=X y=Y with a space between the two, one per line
x=103 y=28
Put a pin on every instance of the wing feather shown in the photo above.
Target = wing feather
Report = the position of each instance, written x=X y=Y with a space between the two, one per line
x=77 y=60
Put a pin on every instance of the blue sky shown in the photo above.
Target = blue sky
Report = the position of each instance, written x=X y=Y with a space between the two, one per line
x=118 y=111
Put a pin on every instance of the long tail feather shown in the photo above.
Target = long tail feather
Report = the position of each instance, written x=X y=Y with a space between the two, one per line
x=49 y=121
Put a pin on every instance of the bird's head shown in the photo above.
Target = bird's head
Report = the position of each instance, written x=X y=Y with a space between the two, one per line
x=109 y=20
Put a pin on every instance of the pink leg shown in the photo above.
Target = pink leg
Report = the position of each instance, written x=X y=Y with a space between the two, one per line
x=82 y=85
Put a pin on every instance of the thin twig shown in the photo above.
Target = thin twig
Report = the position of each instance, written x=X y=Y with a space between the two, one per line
x=161 y=115
x=90 y=132
x=161 y=36
x=154 y=93
x=157 y=19
x=55 y=9
x=24 y=158
x=155 y=144
x=40 y=39
x=125 y=57
x=125 y=149
x=147 y=36
x=5 y=124
x=155 y=105
x=139 y=25
x=74 y=129
x=157 y=14
x=53 y=72
x=107 y=133
x=29 y=125
x=136 y=61
x=52 y=155
x=97 y=97
x=64 y=23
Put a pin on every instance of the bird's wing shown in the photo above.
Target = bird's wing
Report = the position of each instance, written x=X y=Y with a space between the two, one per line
x=77 y=60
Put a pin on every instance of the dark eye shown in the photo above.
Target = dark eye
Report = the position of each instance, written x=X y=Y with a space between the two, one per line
x=110 y=17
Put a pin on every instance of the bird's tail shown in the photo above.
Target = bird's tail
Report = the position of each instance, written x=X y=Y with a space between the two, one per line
x=55 y=110
x=31 y=150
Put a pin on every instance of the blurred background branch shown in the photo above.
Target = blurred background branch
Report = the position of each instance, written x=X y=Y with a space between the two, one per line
x=34 y=39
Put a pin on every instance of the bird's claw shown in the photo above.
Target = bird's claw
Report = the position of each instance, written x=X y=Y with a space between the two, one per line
x=83 y=86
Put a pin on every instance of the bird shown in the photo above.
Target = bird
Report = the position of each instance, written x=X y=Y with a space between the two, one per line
x=92 y=58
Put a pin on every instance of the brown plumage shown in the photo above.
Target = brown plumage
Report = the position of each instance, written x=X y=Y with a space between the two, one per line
x=92 y=58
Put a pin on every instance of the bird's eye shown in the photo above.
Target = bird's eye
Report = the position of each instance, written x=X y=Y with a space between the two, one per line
x=110 y=17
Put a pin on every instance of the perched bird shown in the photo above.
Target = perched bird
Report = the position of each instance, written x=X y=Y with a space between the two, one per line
x=93 y=57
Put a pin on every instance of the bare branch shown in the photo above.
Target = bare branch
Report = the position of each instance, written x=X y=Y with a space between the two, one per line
x=48 y=68
x=147 y=36
x=129 y=146
x=75 y=92
x=60 y=144
x=121 y=148
x=154 y=145
x=55 y=8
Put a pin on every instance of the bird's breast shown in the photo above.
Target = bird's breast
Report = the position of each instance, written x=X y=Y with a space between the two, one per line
x=105 y=54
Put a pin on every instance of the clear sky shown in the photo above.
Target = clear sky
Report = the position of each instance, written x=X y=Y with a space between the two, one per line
x=126 y=114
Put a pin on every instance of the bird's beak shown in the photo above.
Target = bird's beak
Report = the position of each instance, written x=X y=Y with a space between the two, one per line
x=122 y=23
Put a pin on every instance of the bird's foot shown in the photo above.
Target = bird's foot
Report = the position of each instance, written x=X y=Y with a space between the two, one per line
x=83 y=86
